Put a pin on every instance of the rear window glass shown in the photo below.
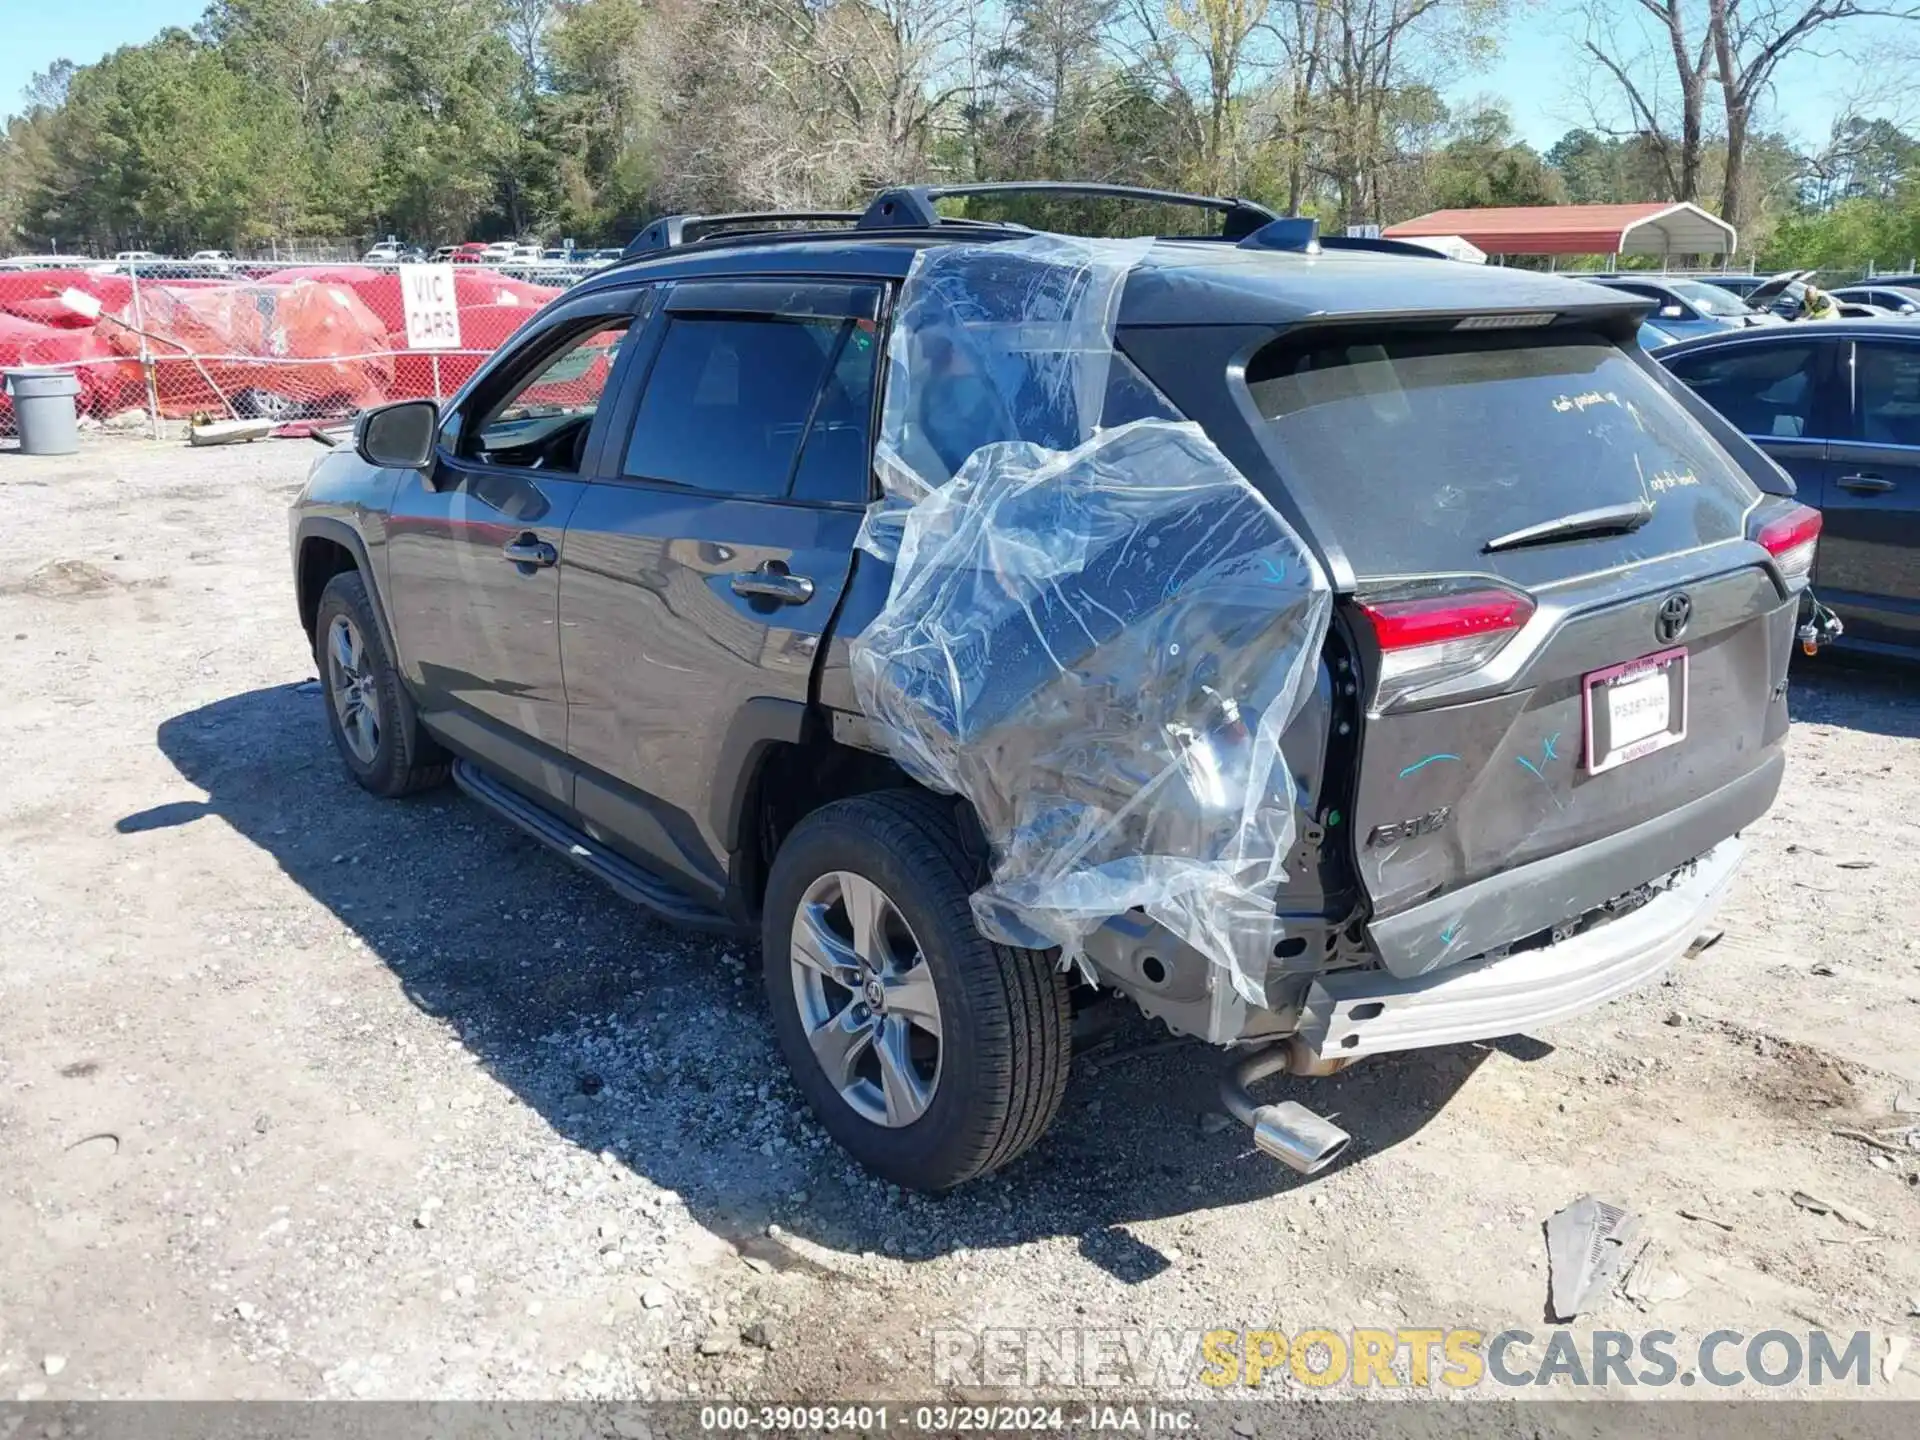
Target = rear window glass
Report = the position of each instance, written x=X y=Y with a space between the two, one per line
x=1418 y=449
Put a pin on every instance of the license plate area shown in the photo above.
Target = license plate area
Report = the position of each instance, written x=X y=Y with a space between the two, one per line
x=1635 y=709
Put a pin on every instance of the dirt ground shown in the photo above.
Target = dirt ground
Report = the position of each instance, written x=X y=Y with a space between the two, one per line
x=305 y=1094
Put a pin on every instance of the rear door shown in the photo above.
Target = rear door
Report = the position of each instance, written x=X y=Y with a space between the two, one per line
x=1565 y=633
x=704 y=566
x=1868 y=565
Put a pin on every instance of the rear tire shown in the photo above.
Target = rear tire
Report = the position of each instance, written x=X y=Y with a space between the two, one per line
x=1004 y=1042
x=369 y=713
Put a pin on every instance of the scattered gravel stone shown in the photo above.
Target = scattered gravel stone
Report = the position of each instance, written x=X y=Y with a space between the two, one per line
x=464 y=1286
x=654 y=1297
x=54 y=1364
x=717 y=1342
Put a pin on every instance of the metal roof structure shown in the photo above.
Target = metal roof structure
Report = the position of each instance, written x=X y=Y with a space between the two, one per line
x=1662 y=228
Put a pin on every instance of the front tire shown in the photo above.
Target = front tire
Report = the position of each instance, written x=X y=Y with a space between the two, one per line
x=930 y=1053
x=369 y=713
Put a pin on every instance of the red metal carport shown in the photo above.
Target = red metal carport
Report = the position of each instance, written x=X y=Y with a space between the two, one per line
x=1666 y=229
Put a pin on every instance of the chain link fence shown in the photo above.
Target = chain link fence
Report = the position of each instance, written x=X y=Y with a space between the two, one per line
x=155 y=341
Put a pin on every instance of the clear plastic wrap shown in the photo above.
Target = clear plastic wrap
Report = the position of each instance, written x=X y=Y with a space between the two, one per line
x=1097 y=636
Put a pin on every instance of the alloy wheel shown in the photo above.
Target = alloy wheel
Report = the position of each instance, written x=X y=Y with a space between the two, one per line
x=867 y=1000
x=355 y=694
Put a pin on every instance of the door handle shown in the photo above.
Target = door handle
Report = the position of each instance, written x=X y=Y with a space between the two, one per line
x=771 y=583
x=530 y=549
x=1864 y=484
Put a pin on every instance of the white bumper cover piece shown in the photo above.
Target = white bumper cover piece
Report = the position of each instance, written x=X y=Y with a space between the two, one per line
x=1370 y=1012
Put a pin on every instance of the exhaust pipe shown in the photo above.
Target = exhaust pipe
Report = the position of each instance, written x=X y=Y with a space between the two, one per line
x=1289 y=1132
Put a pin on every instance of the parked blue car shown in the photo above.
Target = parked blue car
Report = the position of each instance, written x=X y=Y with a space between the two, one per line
x=1687 y=308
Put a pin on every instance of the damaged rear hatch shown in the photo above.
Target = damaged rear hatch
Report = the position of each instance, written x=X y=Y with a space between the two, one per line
x=1571 y=633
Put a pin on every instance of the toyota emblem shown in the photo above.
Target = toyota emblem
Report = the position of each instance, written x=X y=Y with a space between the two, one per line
x=1671 y=623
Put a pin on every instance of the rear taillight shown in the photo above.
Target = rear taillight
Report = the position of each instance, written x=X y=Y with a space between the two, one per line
x=1791 y=538
x=1438 y=636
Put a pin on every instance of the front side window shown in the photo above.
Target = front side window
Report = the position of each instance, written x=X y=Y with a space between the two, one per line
x=731 y=397
x=543 y=419
x=1886 y=387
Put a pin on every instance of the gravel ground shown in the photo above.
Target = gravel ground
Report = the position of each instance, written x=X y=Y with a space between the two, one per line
x=305 y=1094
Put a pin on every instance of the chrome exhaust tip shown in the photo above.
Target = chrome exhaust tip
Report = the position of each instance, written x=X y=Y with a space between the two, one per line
x=1296 y=1137
x=1289 y=1132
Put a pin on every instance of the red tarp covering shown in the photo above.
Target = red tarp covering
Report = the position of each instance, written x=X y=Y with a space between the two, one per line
x=316 y=345
x=105 y=379
x=310 y=340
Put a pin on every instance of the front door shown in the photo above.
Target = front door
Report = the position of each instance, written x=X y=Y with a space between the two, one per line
x=698 y=580
x=474 y=547
x=1868 y=564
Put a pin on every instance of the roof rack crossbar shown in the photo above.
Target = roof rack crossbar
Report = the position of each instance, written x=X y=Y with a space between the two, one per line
x=912 y=206
x=671 y=231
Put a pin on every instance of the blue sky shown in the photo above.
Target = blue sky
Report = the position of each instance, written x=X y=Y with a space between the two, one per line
x=38 y=32
x=1535 y=76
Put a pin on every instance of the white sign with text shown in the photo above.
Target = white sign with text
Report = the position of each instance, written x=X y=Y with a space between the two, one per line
x=432 y=311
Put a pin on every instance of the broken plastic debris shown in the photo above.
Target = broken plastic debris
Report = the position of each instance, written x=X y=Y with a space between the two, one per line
x=1097 y=630
x=1700 y=1213
x=1839 y=1210
x=1586 y=1247
x=1652 y=1279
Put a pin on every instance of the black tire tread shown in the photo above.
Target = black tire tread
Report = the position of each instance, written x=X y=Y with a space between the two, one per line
x=1038 y=1036
x=414 y=763
x=1018 y=999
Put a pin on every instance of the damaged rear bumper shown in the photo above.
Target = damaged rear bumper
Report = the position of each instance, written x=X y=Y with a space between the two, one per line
x=1370 y=1012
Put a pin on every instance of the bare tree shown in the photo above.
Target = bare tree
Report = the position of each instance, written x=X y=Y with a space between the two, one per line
x=1206 y=55
x=1674 y=130
x=526 y=24
x=1376 y=54
x=1750 y=39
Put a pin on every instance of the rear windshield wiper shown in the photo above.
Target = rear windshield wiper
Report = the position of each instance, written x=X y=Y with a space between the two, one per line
x=1607 y=520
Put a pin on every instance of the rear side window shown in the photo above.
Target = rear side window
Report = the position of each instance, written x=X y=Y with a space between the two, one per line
x=731 y=397
x=1416 y=450
x=1763 y=390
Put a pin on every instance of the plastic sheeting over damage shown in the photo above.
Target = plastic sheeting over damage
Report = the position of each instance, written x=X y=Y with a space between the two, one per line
x=1097 y=630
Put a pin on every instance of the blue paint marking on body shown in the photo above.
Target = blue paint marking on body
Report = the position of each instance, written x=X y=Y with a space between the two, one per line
x=1276 y=573
x=1530 y=765
x=1446 y=935
x=1422 y=764
x=1552 y=740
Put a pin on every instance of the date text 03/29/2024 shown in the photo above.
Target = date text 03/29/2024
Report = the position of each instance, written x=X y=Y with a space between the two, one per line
x=943 y=1419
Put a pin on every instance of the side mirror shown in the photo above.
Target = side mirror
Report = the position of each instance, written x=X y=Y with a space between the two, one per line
x=1672 y=312
x=399 y=436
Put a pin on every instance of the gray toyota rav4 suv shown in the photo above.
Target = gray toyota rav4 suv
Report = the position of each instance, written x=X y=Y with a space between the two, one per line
x=1331 y=648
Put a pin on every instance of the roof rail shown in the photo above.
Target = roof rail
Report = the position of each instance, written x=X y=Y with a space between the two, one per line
x=672 y=231
x=1381 y=246
x=911 y=207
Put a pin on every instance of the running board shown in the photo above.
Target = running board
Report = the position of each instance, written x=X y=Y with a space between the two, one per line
x=630 y=881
